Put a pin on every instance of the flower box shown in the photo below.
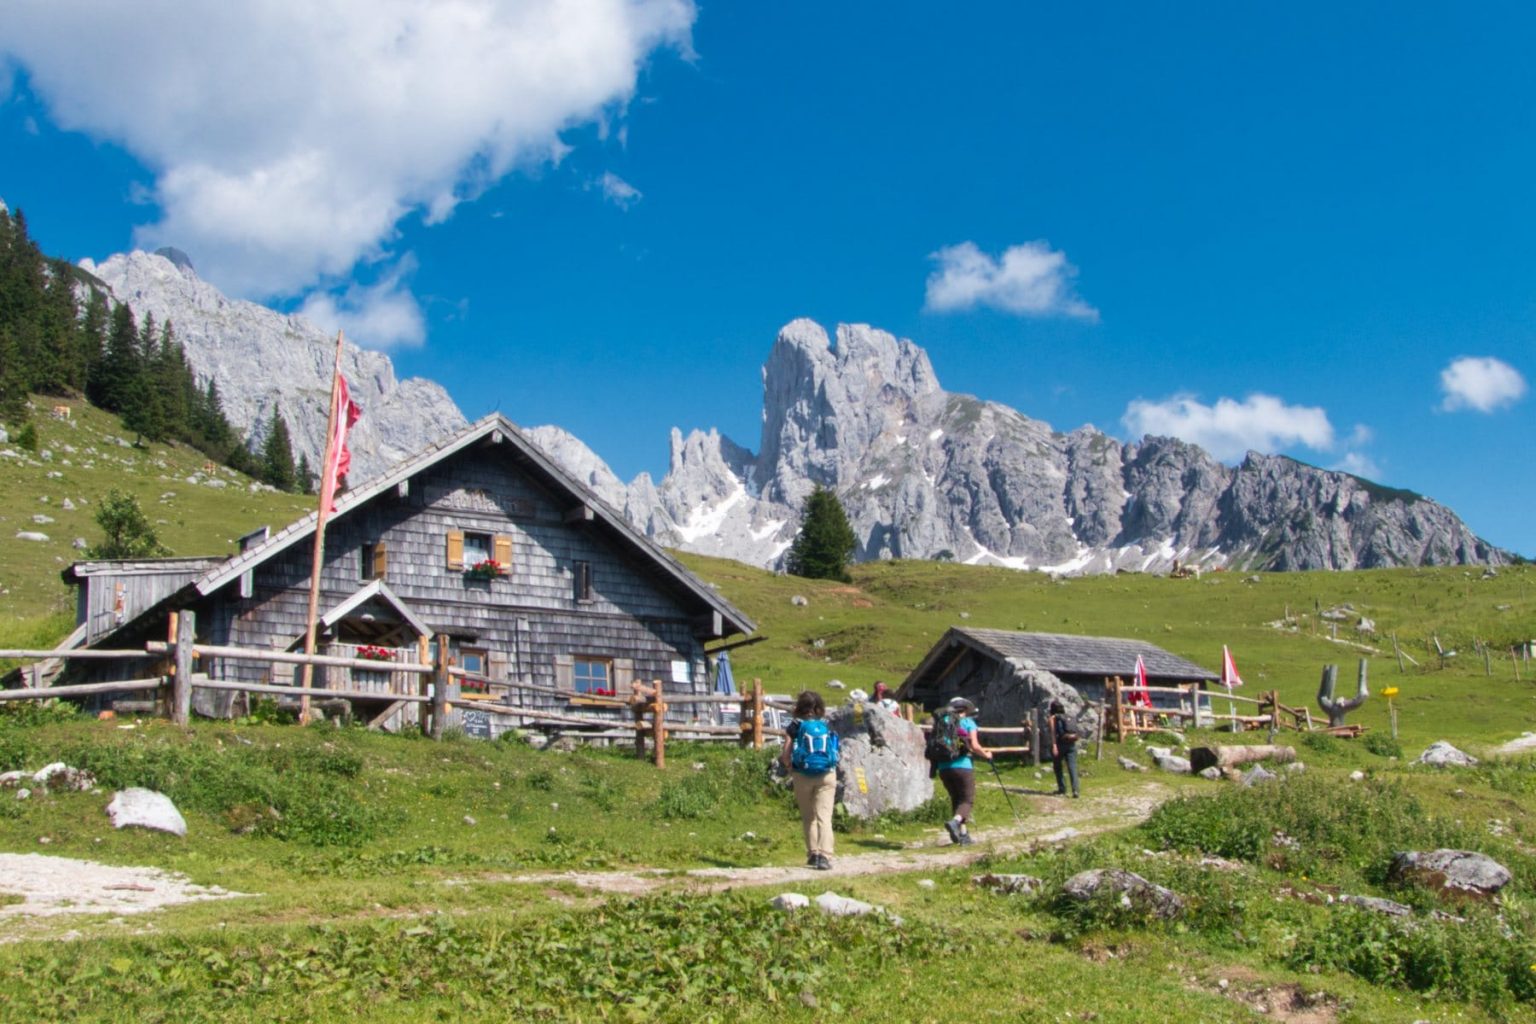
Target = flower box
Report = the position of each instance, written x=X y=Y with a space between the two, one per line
x=485 y=569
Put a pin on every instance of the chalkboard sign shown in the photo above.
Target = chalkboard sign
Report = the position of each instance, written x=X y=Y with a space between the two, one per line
x=476 y=723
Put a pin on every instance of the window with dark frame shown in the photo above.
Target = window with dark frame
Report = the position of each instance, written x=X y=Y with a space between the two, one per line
x=581 y=576
x=477 y=548
x=372 y=561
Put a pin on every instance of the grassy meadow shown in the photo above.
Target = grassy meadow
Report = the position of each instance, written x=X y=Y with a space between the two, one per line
x=394 y=879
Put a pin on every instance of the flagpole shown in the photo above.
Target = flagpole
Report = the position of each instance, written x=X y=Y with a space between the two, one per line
x=319 y=553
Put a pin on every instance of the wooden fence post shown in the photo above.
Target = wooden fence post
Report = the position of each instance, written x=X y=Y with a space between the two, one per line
x=440 y=688
x=1098 y=754
x=181 y=682
x=423 y=657
x=757 y=714
x=659 y=727
x=1117 y=698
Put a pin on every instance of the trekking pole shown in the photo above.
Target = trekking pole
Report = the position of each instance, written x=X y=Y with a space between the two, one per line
x=1016 y=819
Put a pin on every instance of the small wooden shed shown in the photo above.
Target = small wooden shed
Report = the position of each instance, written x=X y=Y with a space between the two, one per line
x=970 y=662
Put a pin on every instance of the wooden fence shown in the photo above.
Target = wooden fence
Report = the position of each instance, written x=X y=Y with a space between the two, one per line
x=1127 y=715
x=427 y=684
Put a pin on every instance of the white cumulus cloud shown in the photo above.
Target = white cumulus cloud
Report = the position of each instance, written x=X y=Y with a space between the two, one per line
x=1480 y=382
x=288 y=138
x=384 y=314
x=1030 y=279
x=1230 y=428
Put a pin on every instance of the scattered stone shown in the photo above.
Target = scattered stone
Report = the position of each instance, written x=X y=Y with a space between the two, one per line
x=31 y=535
x=146 y=809
x=1131 y=766
x=1357 y=776
x=67 y=505
x=1256 y=775
x=1213 y=773
x=1455 y=872
x=1296 y=767
x=1443 y=755
x=1008 y=885
x=790 y=901
x=468 y=820
x=798 y=601
x=846 y=906
x=925 y=883
x=836 y=684
x=1389 y=907
x=42 y=520
x=1168 y=761
x=23 y=793
x=9 y=780
x=59 y=776
x=79 y=543
x=1134 y=891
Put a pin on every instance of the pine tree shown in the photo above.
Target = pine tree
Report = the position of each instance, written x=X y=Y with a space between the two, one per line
x=826 y=542
x=304 y=477
x=277 y=455
x=109 y=385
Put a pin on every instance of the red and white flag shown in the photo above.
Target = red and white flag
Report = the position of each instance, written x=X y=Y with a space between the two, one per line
x=334 y=474
x=1139 y=694
x=1229 y=676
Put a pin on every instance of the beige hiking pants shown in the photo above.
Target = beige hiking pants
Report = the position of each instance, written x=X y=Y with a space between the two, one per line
x=815 y=795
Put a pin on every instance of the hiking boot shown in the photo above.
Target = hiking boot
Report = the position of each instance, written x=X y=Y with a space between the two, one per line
x=822 y=863
x=810 y=861
x=965 y=839
x=953 y=828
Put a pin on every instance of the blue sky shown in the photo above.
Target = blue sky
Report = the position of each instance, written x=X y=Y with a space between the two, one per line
x=1304 y=229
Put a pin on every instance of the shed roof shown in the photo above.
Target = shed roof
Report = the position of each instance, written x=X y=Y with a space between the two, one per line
x=1058 y=653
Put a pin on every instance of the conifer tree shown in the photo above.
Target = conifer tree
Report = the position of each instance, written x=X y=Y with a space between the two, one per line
x=304 y=476
x=277 y=466
x=826 y=542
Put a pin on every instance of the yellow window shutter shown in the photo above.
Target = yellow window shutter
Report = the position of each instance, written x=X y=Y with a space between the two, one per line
x=380 y=560
x=502 y=552
x=455 y=549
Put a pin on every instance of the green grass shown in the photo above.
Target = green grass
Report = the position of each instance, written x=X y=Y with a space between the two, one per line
x=91 y=453
x=384 y=870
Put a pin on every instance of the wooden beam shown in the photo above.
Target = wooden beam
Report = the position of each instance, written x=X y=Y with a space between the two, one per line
x=580 y=514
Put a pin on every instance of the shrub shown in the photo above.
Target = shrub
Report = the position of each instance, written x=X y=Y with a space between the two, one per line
x=1382 y=744
x=1481 y=959
x=1304 y=825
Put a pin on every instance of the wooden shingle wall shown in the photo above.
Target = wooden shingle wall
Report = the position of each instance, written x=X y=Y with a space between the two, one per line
x=525 y=619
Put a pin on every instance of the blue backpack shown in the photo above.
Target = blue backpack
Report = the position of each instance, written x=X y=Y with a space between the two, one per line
x=815 y=749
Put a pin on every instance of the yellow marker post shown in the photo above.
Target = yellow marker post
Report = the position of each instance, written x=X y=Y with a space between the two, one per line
x=1389 y=693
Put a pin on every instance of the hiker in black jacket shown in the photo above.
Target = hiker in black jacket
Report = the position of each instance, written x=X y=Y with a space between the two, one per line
x=1063 y=748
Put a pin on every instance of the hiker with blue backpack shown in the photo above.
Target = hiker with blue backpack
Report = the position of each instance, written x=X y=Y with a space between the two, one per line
x=951 y=743
x=810 y=756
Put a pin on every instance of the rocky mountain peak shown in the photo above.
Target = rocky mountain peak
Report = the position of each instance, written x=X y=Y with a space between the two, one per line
x=263 y=361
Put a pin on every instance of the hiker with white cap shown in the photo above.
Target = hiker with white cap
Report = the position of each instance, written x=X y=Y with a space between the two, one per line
x=951 y=744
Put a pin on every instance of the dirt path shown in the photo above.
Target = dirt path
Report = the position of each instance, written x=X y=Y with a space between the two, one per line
x=62 y=885
x=1046 y=820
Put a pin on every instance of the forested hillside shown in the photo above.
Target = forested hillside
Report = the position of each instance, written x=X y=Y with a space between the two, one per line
x=62 y=335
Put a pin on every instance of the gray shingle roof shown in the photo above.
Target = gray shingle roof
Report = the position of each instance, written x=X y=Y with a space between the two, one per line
x=1061 y=655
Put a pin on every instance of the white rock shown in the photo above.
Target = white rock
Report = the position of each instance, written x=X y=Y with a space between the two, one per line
x=146 y=809
x=790 y=901
x=1357 y=776
x=1442 y=754
x=31 y=535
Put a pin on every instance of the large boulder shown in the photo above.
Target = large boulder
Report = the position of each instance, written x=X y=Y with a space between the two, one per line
x=1453 y=872
x=881 y=766
x=146 y=809
x=1133 y=890
x=1013 y=693
x=1443 y=755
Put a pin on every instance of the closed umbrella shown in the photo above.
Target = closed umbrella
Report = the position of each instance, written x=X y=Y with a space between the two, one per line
x=724 y=684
